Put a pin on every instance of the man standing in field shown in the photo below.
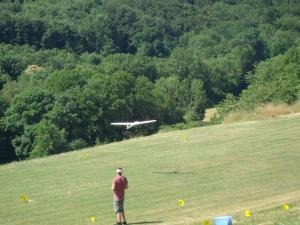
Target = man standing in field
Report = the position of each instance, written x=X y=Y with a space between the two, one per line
x=119 y=184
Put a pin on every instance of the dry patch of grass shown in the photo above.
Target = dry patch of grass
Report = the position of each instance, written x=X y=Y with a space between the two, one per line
x=209 y=114
x=263 y=112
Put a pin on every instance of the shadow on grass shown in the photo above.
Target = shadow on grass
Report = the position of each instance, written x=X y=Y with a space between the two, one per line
x=174 y=172
x=145 y=222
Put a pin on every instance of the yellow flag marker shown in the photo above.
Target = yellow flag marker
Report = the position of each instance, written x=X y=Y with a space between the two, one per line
x=23 y=198
x=84 y=155
x=285 y=207
x=181 y=202
x=93 y=219
x=185 y=137
x=206 y=222
x=247 y=213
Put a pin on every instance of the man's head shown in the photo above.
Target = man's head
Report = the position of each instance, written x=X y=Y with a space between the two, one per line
x=119 y=171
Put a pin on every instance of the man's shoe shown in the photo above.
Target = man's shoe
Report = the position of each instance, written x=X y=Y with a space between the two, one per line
x=118 y=223
x=124 y=222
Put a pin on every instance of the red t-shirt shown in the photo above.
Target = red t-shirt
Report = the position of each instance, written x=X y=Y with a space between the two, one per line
x=120 y=183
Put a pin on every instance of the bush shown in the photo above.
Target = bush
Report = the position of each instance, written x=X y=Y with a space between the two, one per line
x=185 y=126
x=77 y=144
x=49 y=140
x=229 y=104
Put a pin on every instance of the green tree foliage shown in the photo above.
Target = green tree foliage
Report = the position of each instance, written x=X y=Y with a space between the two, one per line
x=101 y=61
x=198 y=101
x=137 y=65
x=107 y=98
x=22 y=117
x=122 y=19
x=145 y=107
x=6 y=151
x=62 y=80
x=4 y=78
x=282 y=41
x=67 y=114
x=275 y=80
x=48 y=140
x=178 y=100
x=170 y=96
x=229 y=104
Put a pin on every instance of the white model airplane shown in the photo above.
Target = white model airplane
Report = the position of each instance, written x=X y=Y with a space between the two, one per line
x=131 y=124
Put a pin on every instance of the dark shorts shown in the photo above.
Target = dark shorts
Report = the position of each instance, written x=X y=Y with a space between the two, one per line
x=118 y=206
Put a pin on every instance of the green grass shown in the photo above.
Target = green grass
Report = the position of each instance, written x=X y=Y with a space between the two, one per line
x=275 y=215
x=217 y=170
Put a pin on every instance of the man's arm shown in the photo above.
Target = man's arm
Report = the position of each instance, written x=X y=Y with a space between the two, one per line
x=113 y=185
x=126 y=186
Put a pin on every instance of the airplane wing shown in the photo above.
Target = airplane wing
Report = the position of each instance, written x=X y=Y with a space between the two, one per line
x=122 y=124
x=127 y=124
x=144 y=122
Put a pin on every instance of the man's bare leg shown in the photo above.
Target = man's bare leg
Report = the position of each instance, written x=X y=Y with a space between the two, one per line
x=123 y=216
x=119 y=217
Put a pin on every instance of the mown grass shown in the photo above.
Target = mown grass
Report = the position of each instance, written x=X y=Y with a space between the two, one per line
x=268 y=216
x=217 y=170
x=276 y=216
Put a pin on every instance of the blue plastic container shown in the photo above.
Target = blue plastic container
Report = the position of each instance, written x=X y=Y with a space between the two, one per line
x=223 y=220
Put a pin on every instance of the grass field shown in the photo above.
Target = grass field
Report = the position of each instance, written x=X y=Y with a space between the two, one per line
x=217 y=170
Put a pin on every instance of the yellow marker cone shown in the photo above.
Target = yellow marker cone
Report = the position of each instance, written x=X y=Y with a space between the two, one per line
x=93 y=219
x=285 y=207
x=23 y=198
x=206 y=222
x=181 y=202
x=247 y=213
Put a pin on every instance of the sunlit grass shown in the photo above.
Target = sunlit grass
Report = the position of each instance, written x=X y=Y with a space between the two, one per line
x=217 y=170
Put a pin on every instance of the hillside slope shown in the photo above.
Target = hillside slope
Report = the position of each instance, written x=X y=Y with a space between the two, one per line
x=217 y=170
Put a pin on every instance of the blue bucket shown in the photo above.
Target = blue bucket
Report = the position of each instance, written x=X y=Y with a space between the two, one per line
x=223 y=220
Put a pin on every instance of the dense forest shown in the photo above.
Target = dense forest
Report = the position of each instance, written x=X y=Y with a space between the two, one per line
x=69 y=68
